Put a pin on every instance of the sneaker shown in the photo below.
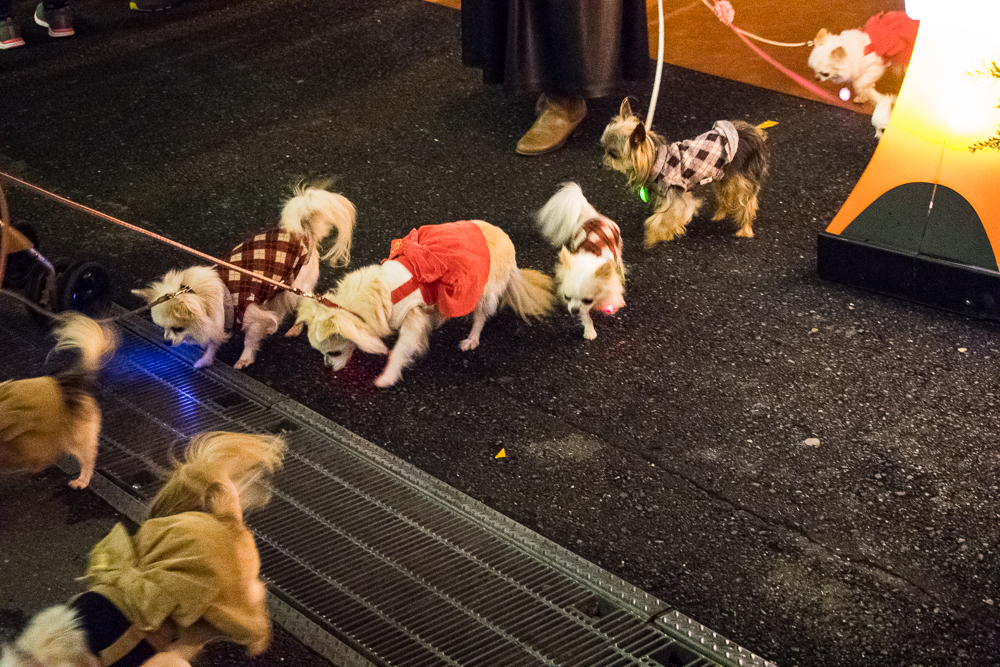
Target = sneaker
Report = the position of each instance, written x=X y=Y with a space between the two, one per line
x=152 y=5
x=10 y=34
x=58 y=21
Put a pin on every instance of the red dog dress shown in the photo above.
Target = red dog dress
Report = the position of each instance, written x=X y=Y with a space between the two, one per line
x=892 y=36
x=450 y=265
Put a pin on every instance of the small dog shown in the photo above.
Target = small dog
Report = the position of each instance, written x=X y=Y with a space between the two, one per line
x=590 y=273
x=43 y=418
x=861 y=57
x=188 y=576
x=435 y=273
x=733 y=157
x=220 y=299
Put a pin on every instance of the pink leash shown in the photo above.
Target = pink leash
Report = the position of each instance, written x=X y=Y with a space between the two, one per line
x=724 y=11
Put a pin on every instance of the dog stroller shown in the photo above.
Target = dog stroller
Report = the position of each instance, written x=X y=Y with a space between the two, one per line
x=62 y=284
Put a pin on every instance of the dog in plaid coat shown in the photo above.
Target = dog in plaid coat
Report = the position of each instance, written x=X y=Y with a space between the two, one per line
x=220 y=300
x=732 y=157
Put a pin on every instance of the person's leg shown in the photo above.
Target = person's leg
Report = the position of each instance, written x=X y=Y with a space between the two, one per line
x=10 y=31
x=55 y=15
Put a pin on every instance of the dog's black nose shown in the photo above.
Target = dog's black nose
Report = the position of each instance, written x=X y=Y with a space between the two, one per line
x=574 y=310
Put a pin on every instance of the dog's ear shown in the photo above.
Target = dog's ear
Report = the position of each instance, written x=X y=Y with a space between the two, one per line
x=364 y=339
x=565 y=256
x=606 y=270
x=307 y=312
x=838 y=54
x=820 y=36
x=638 y=137
x=148 y=294
x=626 y=109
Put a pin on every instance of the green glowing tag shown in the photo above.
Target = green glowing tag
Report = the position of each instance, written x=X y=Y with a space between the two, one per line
x=643 y=194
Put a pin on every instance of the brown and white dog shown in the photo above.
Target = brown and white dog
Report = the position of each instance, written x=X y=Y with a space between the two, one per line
x=190 y=574
x=436 y=272
x=732 y=157
x=590 y=273
x=43 y=418
x=219 y=299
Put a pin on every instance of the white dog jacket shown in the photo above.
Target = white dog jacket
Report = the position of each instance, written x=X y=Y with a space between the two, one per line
x=696 y=161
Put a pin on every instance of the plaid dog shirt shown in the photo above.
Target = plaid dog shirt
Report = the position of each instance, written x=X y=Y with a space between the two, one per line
x=275 y=254
x=602 y=237
x=696 y=161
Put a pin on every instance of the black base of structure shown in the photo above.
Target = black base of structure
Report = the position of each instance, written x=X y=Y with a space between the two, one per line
x=960 y=288
x=920 y=242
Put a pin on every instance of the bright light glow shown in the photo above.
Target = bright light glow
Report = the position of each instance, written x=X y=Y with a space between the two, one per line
x=845 y=94
x=954 y=11
x=643 y=194
x=610 y=309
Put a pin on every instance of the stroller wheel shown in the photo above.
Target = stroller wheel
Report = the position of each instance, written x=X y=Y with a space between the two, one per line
x=85 y=287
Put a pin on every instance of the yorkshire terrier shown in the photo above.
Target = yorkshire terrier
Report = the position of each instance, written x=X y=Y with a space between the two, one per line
x=189 y=575
x=732 y=156
x=43 y=418
x=590 y=273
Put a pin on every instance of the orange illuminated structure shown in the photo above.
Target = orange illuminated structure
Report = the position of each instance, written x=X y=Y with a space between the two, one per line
x=923 y=222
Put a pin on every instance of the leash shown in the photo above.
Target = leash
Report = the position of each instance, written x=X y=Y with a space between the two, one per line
x=724 y=11
x=163 y=239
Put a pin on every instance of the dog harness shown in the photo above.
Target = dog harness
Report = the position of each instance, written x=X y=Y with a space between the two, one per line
x=892 y=36
x=448 y=263
x=600 y=236
x=697 y=161
x=276 y=254
x=110 y=635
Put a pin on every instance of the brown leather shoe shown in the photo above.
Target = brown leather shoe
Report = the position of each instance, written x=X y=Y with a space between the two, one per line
x=558 y=117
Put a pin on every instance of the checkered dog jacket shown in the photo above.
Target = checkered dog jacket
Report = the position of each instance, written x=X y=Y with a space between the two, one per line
x=600 y=236
x=697 y=161
x=276 y=254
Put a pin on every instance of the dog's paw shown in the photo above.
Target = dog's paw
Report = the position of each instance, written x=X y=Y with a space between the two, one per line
x=79 y=484
x=243 y=362
x=387 y=379
x=468 y=344
x=295 y=330
x=204 y=361
x=590 y=333
x=745 y=232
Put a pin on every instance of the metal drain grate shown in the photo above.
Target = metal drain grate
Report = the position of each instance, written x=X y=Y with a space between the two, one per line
x=368 y=560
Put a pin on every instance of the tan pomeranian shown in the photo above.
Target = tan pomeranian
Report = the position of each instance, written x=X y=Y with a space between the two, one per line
x=732 y=157
x=210 y=302
x=43 y=418
x=435 y=273
x=590 y=274
x=190 y=574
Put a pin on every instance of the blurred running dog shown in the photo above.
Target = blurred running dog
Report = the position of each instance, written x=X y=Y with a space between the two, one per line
x=732 y=156
x=590 y=273
x=218 y=299
x=43 y=418
x=435 y=273
x=188 y=576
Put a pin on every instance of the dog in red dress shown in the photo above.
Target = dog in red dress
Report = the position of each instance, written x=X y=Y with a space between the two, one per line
x=208 y=303
x=861 y=57
x=435 y=273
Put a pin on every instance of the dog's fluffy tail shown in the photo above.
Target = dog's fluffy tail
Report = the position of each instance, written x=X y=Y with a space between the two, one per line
x=529 y=294
x=223 y=474
x=563 y=214
x=752 y=154
x=74 y=331
x=94 y=345
x=313 y=212
x=54 y=637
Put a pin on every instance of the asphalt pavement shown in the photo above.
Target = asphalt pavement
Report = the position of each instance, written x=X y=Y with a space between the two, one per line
x=806 y=468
